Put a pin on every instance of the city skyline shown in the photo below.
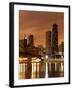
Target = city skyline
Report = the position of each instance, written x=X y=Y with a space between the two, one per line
x=38 y=23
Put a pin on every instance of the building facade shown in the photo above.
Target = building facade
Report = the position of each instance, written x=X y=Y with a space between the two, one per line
x=48 y=43
x=31 y=40
x=25 y=41
x=61 y=48
x=55 y=39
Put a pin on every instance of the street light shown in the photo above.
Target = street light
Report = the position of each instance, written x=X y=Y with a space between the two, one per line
x=46 y=57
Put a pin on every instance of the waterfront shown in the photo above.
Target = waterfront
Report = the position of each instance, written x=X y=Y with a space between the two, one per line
x=41 y=44
x=31 y=68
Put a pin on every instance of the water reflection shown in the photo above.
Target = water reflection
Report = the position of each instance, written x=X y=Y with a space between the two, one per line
x=37 y=68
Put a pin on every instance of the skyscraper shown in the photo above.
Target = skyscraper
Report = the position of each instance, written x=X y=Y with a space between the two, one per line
x=61 y=48
x=25 y=41
x=48 y=43
x=31 y=40
x=55 y=39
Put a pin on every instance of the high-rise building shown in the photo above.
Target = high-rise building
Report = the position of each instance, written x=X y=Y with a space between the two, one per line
x=55 y=39
x=25 y=41
x=61 y=48
x=48 y=43
x=31 y=40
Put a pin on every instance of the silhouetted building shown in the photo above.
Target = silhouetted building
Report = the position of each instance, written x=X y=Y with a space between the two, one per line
x=48 y=43
x=61 y=48
x=21 y=45
x=62 y=44
x=31 y=40
x=25 y=45
x=25 y=41
x=55 y=39
x=42 y=50
x=29 y=48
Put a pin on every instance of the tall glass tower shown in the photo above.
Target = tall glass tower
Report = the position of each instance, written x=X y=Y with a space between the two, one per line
x=48 y=43
x=55 y=39
x=31 y=40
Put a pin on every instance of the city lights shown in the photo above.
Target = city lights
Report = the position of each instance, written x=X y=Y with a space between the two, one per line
x=40 y=53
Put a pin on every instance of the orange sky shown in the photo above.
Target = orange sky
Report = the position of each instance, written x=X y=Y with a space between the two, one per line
x=38 y=23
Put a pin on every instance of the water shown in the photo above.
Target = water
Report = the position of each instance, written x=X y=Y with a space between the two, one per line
x=29 y=69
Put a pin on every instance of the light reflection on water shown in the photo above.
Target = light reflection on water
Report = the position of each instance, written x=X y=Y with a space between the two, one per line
x=40 y=69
